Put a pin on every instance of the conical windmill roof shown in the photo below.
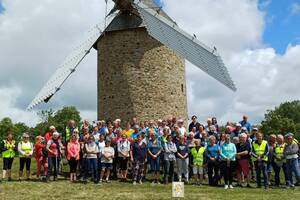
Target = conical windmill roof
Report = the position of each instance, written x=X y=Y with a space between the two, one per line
x=131 y=20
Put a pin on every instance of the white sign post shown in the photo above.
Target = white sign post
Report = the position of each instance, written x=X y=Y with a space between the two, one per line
x=177 y=189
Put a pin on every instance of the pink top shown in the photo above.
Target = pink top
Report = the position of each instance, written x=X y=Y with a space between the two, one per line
x=73 y=150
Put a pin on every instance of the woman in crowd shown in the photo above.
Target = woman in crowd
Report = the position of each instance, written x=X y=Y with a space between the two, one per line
x=123 y=147
x=197 y=153
x=170 y=151
x=54 y=148
x=73 y=156
x=243 y=157
x=91 y=150
x=107 y=155
x=138 y=154
x=25 y=148
x=41 y=157
x=8 y=153
x=212 y=157
x=182 y=159
x=154 y=151
x=279 y=160
x=228 y=154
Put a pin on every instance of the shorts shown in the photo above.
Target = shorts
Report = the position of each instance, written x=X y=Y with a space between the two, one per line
x=197 y=169
x=123 y=163
x=243 y=166
x=106 y=166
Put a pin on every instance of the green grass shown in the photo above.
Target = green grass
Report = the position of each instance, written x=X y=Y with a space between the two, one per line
x=63 y=189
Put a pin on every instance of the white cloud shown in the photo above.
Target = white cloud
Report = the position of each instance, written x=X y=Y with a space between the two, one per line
x=8 y=96
x=295 y=8
x=36 y=36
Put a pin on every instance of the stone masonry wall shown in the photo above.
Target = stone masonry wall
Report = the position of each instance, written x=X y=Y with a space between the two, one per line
x=139 y=77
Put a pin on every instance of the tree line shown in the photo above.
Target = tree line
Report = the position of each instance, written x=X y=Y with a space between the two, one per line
x=281 y=120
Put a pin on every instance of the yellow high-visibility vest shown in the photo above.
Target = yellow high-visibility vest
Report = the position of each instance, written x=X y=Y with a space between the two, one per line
x=198 y=155
x=26 y=147
x=279 y=152
x=260 y=150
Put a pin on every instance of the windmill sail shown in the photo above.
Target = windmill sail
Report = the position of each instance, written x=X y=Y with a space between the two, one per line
x=68 y=66
x=169 y=34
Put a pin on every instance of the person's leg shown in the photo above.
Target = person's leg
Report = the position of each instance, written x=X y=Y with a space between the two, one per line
x=285 y=173
x=216 y=169
x=258 y=171
x=296 y=170
x=277 y=174
x=38 y=167
x=166 y=171
x=102 y=172
x=224 y=171
x=185 y=169
x=141 y=171
x=10 y=162
x=179 y=169
x=172 y=166
x=289 y=173
x=201 y=174
x=230 y=173
x=50 y=165
x=158 y=170
x=210 y=173
x=95 y=170
x=265 y=174
x=55 y=167
x=5 y=168
x=28 y=163
x=22 y=165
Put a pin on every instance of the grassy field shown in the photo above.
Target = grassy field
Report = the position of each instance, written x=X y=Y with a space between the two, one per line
x=63 y=189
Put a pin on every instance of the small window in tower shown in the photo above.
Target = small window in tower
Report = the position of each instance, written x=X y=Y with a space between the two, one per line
x=182 y=88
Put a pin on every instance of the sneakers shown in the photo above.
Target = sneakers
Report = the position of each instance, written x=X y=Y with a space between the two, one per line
x=134 y=182
x=230 y=187
x=226 y=187
x=140 y=182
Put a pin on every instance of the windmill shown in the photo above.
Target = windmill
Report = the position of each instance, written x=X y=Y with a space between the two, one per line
x=141 y=66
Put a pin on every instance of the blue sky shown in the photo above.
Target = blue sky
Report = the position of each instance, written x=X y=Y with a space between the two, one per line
x=1 y=7
x=283 y=23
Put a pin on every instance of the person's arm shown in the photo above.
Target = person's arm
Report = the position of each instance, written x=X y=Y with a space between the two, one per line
x=234 y=152
x=131 y=152
x=253 y=152
x=293 y=150
x=20 y=149
x=113 y=153
x=32 y=148
x=266 y=152
x=222 y=153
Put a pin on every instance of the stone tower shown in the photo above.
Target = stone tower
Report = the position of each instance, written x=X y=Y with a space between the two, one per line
x=137 y=75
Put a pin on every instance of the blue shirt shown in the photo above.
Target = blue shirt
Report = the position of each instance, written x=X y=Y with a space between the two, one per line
x=154 y=148
x=212 y=151
x=246 y=124
x=228 y=150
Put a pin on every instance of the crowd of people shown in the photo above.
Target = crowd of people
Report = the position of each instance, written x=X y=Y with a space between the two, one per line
x=163 y=150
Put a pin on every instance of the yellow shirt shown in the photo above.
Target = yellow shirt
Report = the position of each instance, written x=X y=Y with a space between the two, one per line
x=128 y=133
